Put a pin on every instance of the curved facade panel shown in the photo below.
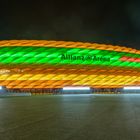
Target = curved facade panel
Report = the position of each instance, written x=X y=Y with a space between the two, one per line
x=55 y=64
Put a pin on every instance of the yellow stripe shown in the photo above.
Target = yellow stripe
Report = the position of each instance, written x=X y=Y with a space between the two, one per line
x=45 y=43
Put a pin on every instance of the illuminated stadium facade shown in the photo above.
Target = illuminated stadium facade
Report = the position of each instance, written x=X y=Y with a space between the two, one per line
x=30 y=64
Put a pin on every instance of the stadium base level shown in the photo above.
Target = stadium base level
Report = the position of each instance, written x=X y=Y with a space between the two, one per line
x=60 y=91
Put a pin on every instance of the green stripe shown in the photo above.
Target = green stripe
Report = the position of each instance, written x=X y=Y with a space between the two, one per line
x=51 y=55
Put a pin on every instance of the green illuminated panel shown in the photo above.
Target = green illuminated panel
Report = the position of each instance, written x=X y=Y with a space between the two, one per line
x=75 y=56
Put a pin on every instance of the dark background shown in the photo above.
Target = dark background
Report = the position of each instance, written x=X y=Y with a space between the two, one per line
x=114 y=22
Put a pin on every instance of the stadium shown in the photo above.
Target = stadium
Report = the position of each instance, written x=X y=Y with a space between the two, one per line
x=46 y=66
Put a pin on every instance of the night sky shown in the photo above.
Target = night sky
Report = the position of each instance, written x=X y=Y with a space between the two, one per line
x=114 y=22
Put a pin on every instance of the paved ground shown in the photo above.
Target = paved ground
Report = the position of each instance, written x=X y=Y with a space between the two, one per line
x=70 y=117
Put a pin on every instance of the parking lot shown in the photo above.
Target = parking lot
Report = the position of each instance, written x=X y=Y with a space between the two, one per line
x=70 y=117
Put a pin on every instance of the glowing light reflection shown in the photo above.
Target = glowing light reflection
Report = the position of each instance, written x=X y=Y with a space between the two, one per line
x=76 y=88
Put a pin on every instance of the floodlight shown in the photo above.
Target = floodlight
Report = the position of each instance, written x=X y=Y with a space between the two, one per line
x=132 y=88
x=76 y=88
